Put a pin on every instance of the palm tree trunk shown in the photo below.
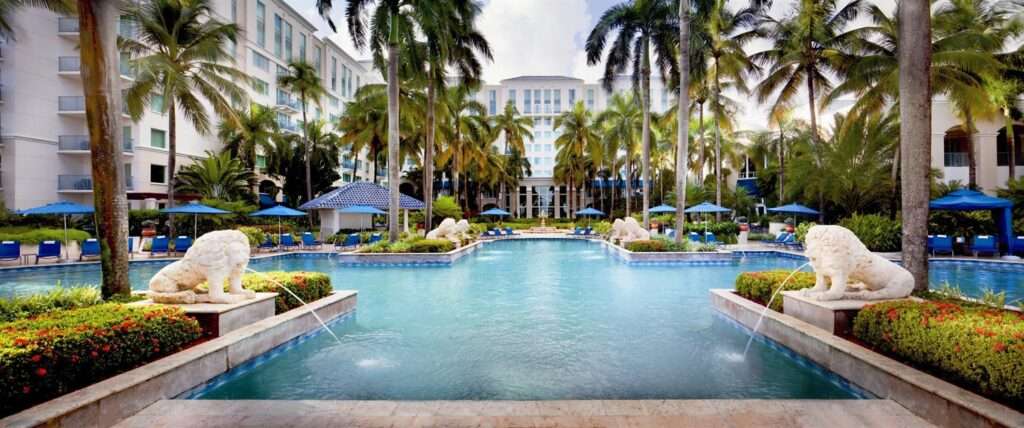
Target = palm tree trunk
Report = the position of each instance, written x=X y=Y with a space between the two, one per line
x=700 y=169
x=1012 y=164
x=98 y=42
x=815 y=140
x=393 y=141
x=308 y=149
x=915 y=132
x=972 y=162
x=355 y=165
x=428 y=160
x=172 y=159
x=782 y=165
x=718 y=143
x=629 y=184
x=645 y=134
x=682 y=117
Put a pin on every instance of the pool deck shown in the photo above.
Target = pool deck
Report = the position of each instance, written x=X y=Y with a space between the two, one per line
x=583 y=413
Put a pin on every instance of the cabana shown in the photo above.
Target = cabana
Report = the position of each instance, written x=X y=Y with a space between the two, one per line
x=360 y=193
x=973 y=200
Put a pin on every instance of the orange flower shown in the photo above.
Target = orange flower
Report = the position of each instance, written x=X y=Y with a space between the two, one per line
x=999 y=347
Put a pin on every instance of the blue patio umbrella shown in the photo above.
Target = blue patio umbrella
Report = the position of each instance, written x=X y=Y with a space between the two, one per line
x=795 y=209
x=63 y=209
x=973 y=200
x=705 y=208
x=361 y=209
x=496 y=212
x=662 y=209
x=196 y=209
x=278 y=211
x=588 y=213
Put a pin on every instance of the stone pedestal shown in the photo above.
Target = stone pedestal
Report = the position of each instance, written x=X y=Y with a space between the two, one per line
x=835 y=316
x=219 y=319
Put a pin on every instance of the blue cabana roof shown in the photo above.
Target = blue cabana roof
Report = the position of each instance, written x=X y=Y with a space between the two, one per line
x=662 y=209
x=58 y=208
x=706 y=207
x=278 y=211
x=361 y=193
x=497 y=212
x=360 y=209
x=968 y=200
x=794 y=208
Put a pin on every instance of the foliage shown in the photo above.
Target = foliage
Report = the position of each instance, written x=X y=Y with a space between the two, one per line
x=601 y=227
x=431 y=246
x=877 y=232
x=410 y=245
x=647 y=246
x=256 y=235
x=445 y=206
x=308 y=286
x=755 y=236
x=55 y=353
x=761 y=286
x=961 y=223
x=31 y=236
x=286 y=160
x=58 y=298
x=239 y=216
x=139 y=219
x=801 y=231
x=973 y=345
x=218 y=176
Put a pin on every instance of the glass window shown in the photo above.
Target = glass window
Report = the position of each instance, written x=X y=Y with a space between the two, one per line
x=261 y=24
x=261 y=62
x=234 y=11
x=344 y=80
x=333 y=101
x=317 y=58
x=302 y=47
x=547 y=101
x=157 y=138
x=512 y=97
x=572 y=98
x=558 y=100
x=334 y=73
x=527 y=106
x=261 y=161
x=157 y=173
x=278 y=24
x=590 y=99
x=260 y=87
x=156 y=103
x=492 y=101
x=288 y=40
x=349 y=80
x=536 y=101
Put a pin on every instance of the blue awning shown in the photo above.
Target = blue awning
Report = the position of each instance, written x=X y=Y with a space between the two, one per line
x=662 y=209
x=587 y=212
x=969 y=200
x=361 y=193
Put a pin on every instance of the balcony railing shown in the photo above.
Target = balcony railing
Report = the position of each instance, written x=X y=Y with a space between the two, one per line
x=287 y=125
x=67 y=25
x=70 y=104
x=69 y=64
x=955 y=159
x=289 y=102
x=126 y=145
x=73 y=142
x=83 y=183
x=347 y=164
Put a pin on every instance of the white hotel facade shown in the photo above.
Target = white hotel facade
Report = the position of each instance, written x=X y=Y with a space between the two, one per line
x=44 y=148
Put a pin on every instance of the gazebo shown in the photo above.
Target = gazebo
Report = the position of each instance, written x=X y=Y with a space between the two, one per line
x=973 y=200
x=360 y=193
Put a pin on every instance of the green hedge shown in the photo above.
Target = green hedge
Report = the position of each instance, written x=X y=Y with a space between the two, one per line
x=58 y=298
x=431 y=246
x=878 y=233
x=309 y=286
x=647 y=246
x=410 y=245
x=53 y=354
x=973 y=345
x=32 y=236
x=760 y=286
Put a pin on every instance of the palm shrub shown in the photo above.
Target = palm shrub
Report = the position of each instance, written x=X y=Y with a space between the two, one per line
x=878 y=233
x=801 y=231
x=647 y=246
x=255 y=235
x=761 y=286
x=218 y=176
x=445 y=206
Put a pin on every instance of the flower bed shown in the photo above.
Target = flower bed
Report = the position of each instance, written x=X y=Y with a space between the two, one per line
x=309 y=286
x=760 y=286
x=55 y=353
x=974 y=345
x=410 y=246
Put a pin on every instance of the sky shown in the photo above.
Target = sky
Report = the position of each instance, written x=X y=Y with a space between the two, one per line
x=546 y=37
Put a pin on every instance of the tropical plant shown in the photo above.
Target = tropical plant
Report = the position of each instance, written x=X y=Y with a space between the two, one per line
x=516 y=130
x=217 y=176
x=181 y=52
x=620 y=124
x=250 y=135
x=445 y=207
x=464 y=127
x=641 y=25
x=287 y=158
x=303 y=78
x=878 y=233
x=578 y=139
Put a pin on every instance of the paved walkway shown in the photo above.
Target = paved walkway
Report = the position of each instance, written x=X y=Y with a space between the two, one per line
x=591 y=413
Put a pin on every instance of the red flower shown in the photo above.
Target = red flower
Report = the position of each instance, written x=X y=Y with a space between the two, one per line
x=26 y=389
x=21 y=341
x=41 y=372
x=999 y=347
x=106 y=348
x=36 y=358
x=94 y=354
x=956 y=349
x=893 y=314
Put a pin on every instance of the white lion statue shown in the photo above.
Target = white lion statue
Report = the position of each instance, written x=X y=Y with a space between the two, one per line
x=628 y=230
x=451 y=230
x=213 y=258
x=837 y=256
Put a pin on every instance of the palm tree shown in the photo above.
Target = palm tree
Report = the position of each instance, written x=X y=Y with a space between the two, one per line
x=683 y=124
x=363 y=124
x=1004 y=93
x=915 y=60
x=516 y=130
x=302 y=78
x=218 y=176
x=641 y=25
x=287 y=158
x=181 y=52
x=251 y=134
x=464 y=124
x=578 y=139
x=620 y=123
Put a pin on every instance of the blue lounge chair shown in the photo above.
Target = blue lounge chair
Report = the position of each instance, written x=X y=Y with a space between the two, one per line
x=48 y=250
x=931 y=243
x=670 y=233
x=374 y=238
x=942 y=244
x=10 y=250
x=588 y=231
x=577 y=231
x=780 y=238
x=287 y=241
x=709 y=238
x=267 y=244
x=131 y=247
x=182 y=244
x=984 y=244
x=787 y=240
x=90 y=248
x=159 y=245
x=1017 y=245
x=509 y=231
x=694 y=237
x=309 y=241
x=352 y=240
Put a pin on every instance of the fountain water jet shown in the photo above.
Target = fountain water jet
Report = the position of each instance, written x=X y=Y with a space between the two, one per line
x=768 y=306
x=322 y=323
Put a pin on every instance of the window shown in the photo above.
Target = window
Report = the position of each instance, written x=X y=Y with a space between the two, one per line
x=158 y=139
x=288 y=40
x=590 y=99
x=126 y=138
x=282 y=71
x=333 y=101
x=349 y=72
x=344 y=80
x=512 y=97
x=317 y=58
x=334 y=73
x=260 y=87
x=157 y=173
x=261 y=161
x=572 y=97
x=261 y=24
x=536 y=101
x=492 y=101
x=234 y=11
x=302 y=47
x=156 y=103
x=558 y=100
x=261 y=62
x=278 y=23
x=527 y=106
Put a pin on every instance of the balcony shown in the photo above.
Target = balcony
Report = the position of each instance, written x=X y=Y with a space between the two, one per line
x=67 y=26
x=955 y=159
x=82 y=183
x=69 y=65
x=71 y=105
x=347 y=163
x=79 y=144
x=287 y=102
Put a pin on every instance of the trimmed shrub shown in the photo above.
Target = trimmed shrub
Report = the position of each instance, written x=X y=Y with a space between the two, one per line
x=647 y=246
x=801 y=231
x=754 y=236
x=31 y=236
x=973 y=345
x=431 y=246
x=309 y=286
x=760 y=286
x=53 y=354
x=59 y=298
x=255 y=235
x=878 y=233
x=445 y=206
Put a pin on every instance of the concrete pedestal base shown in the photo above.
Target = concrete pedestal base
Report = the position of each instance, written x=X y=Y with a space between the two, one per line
x=835 y=316
x=219 y=319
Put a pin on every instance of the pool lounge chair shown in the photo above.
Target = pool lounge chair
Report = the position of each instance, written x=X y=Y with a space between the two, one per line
x=709 y=238
x=374 y=238
x=10 y=250
x=159 y=245
x=510 y=232
x=351 y=241
x=670 y=233
x=984 y=244
x=182 y=244
x=931 y=243
x=287 y=241
x=588 y=231
x=787 y=240
x=309 y=242
x=48 y=250
x=131 y=247
x=942 y=244
x=90 y=248
x=1017 y=245
x=267 y=245
x=780 y=238
x=694 y=237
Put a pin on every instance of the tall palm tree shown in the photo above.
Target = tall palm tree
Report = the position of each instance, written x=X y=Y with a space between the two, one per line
x=251 y=134
x=287 y=158
x=1004 y=93
x=302 y=78
x=465 y=123
x=516 y=130
x=218 y=176
x=683 y=120
x=620 y=124
x=579 y=137
x=181 y=53
x=915 y=105
x=642 y=25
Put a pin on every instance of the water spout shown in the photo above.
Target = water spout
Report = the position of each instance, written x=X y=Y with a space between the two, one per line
x=282 y=286
x=768 y=306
